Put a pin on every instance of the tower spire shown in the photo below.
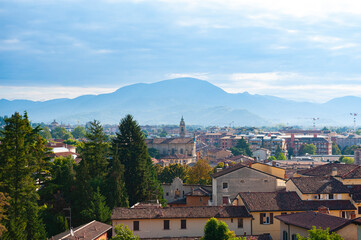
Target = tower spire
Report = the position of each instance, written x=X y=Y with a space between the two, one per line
x=182 y=128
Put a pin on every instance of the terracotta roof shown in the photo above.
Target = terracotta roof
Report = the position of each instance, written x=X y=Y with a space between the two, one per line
x=326 y=170
x=308 y=219
x=180 y=212
x=319 y=185
x=355 y=173
x=355 y=191
x=272 y=201
x=87 y=231
x=330 y=204
x=63 y=154
x=169 y=140
x=288 y=201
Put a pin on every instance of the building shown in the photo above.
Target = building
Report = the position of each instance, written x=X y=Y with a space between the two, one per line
x=270 y=142
x=229 y=141
x=347 y=141
x=182 y=128
x=323 y=144
x=357 y=156
x=300 y=223
x=197 y=197
x=227 y=183
x=215 y=154
x=178 y=222
x=91 y=231
x=261 y=154
x=265 y=206
x=177 y=189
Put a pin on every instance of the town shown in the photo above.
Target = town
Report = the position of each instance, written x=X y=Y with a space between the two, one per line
x=173 y=182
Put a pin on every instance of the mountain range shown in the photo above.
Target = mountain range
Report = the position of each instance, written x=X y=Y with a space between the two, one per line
x=199 y=101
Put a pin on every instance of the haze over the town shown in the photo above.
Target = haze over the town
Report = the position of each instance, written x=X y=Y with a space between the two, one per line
x=305 y=50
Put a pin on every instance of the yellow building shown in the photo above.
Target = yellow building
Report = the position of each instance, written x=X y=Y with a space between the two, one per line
x=272 y=170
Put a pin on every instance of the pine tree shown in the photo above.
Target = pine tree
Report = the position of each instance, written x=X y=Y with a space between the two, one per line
x=21 y=154
x=97 y=209
x=95 y=150
x=133 y=154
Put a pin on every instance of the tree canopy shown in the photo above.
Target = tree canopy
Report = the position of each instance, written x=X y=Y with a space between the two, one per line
x=200 y=173
x=242 y=148
x=335 y=149
x=307 y=149
x=320 y=234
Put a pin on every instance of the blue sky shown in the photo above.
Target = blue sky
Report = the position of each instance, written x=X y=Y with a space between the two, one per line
x=302 y=50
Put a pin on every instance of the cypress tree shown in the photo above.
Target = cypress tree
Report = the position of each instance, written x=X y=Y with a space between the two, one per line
x=21 y=152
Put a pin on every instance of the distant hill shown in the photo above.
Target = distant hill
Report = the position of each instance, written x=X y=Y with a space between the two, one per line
x=200 y=102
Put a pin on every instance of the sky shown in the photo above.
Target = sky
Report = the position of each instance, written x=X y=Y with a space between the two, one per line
x=301 y=50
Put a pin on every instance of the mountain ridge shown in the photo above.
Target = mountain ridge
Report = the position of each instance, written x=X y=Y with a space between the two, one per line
x=198 y=100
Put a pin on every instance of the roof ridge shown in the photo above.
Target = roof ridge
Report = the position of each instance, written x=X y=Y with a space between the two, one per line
x=357 y=167
x=81 y=227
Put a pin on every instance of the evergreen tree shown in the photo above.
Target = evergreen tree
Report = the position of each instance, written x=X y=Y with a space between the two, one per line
x=116 y=192
x=95 y=150
x=133 y=154
x=21 y=151
x=97 y=210
x=335 y=149
x=45 y=133
x=279 y=154
x=242 y=148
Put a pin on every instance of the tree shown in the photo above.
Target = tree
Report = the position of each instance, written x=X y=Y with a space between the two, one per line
x=308 y=148
x=320 y=234
x=95 y=151
x=335 y=149
x=172 y=171
x=21 y=154
x=242 y=148
x=97 y=210
x=4 y=202
x=279 y=154
x=271 y=158
x=290 y=152
x=122 y=232
x=79 y=132
x=154 y=153
x=130 y=148
x=216 y=230
x=58 y=133
x=45 y=133
x=347 y=160
x=200 y=173
x=350 y=150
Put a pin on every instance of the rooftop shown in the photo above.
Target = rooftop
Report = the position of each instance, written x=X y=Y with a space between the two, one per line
x=318 y=185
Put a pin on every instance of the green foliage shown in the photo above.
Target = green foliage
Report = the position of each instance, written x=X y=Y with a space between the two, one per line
x=172 y=171
x=139 y=175
x=335 y=149
x=320 y=234
x=347 y=160
x=22 y=153
x=154 y=153
x=219 y=165
x=242 y=148
x=200 y=173
x=307 y=148
x=45 y=133
x=290 y=152
x=79 y=132
x=349 y=150
x=122 y=232
x=279 y=154
x=217 y=230
x=61 y=133
x=272 y=158
x=97 y=210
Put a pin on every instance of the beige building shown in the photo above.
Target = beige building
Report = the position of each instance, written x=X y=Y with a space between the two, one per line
x=170 y=146
x=177 y=222
x=300 y=223
x=226 y=184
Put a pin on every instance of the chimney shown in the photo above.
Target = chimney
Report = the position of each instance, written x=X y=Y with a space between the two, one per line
x=334 y=171
x=323 y=209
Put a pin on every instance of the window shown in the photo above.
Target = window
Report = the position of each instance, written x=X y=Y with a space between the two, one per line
x=266 y=218
x=183 y=224
x=166 y=224
x=330 y=196
x=359 y=210
x=285 y=237
x=167 y=194
x=225 y=185
x=240 y=222
x=225 y=200
x=135 y=225
x=294 y=236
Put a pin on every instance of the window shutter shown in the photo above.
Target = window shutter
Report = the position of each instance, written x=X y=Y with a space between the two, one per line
x=261 y=215
x=271 y=218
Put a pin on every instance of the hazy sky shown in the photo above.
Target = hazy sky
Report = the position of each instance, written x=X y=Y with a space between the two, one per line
x=303 y=50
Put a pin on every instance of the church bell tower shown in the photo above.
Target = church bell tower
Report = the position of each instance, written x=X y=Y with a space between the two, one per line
x=182 y=128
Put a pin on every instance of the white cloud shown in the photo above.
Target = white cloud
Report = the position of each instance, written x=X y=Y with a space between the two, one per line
x=49 y=92
x=203 y=76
